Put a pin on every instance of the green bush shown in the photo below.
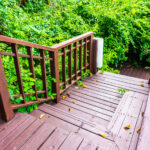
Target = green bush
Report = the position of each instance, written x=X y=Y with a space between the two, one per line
x=124 y=25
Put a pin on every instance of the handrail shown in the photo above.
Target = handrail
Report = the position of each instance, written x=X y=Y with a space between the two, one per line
x=76 y=55
x=24 y=43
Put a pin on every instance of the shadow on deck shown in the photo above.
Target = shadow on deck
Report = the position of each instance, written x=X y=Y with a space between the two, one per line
x=75 y=122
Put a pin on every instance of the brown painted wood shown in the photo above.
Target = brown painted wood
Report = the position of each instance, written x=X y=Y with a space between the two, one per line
x=15 y=133
x=6 y=111
x=55 y=140
x=64 y=67
x=72 y=142
x=31 y=65
x=39 y=137
x=15 y=41
x=43 y=69
x=70 y=64
x=18 y=70
x=55 y=74
x=80 y=58
x=75 y=61
x=25 y=135
x=85 y=54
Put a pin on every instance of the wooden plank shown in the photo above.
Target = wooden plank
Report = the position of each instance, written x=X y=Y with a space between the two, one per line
x=103 y=77
x=88 y=145
x=80 y=57
x=39 y=137
x=69 y=102
x=72 y=142
x=102 y=96
x=85 y=54
x=15 y=133
x=55 y=140
x=25 y=135
x=81 y=96
x=18 y=121
x=85 y=113
x=91 y=104
x=75 y=60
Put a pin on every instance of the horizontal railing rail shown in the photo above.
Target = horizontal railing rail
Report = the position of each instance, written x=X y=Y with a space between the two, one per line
x=64 y=62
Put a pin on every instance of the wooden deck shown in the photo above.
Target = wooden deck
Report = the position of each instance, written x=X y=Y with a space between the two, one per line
x=75 y=122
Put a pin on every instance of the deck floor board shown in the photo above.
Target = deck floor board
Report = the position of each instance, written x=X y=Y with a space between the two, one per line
x=75 y=122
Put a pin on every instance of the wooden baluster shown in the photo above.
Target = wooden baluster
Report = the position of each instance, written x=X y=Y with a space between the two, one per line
x=54 y=64
x=18 y=70
x=43 y=69
x=75 y=60
x=70 y=64
x=64 y=67
x=85 y=54
x=6 y=111
x=80 y=57
x=31 y=65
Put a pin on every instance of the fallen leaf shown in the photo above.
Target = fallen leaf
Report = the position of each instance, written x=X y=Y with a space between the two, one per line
x=84 y=86
x=77 y=87
x=5 y=127
x=69 y=109
x=142 y=81
x=142 y=85
x=142 y=114
x=127 y=127
x=74 y=102
x=67 y=95
x=95 y=80
x=102 y=135
x=42 y=116
x=138 y=130
x=63 y=97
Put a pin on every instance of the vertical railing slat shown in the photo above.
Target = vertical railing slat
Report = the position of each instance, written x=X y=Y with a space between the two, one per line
x=75 y=60
x=31 y=66
x=18 y=70
x=80 y=57
x=85 y=54
x=54 y=65
x=6 y=111
x=64 y=67
x=43 y=68
x=70 y=64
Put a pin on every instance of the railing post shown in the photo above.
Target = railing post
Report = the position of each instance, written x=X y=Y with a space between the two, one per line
x=94 y=68
x=55 y=73
x=6 y=111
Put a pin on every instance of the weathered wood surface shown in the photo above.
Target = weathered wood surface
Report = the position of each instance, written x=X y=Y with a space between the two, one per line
x=74 y=123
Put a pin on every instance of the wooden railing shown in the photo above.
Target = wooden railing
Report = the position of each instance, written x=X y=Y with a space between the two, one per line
x=67 y=61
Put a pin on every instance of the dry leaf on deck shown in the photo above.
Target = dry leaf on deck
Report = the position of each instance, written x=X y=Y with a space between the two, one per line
x=69 y=109
x=84 y=86
x=142 y=85
x=74 y=102
x=142 y=81
x=63 y=97
x=67 y=95
x=127 y=127
x=138 y=130
x=77 y=87
x=42 y=116
x=5 y=127
x=142 y=114
x=102 y=135
x=95 y=80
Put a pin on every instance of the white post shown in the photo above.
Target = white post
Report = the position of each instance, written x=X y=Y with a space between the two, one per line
x=100 y=43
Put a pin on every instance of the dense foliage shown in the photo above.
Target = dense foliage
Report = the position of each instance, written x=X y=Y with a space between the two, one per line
x=124 y=25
